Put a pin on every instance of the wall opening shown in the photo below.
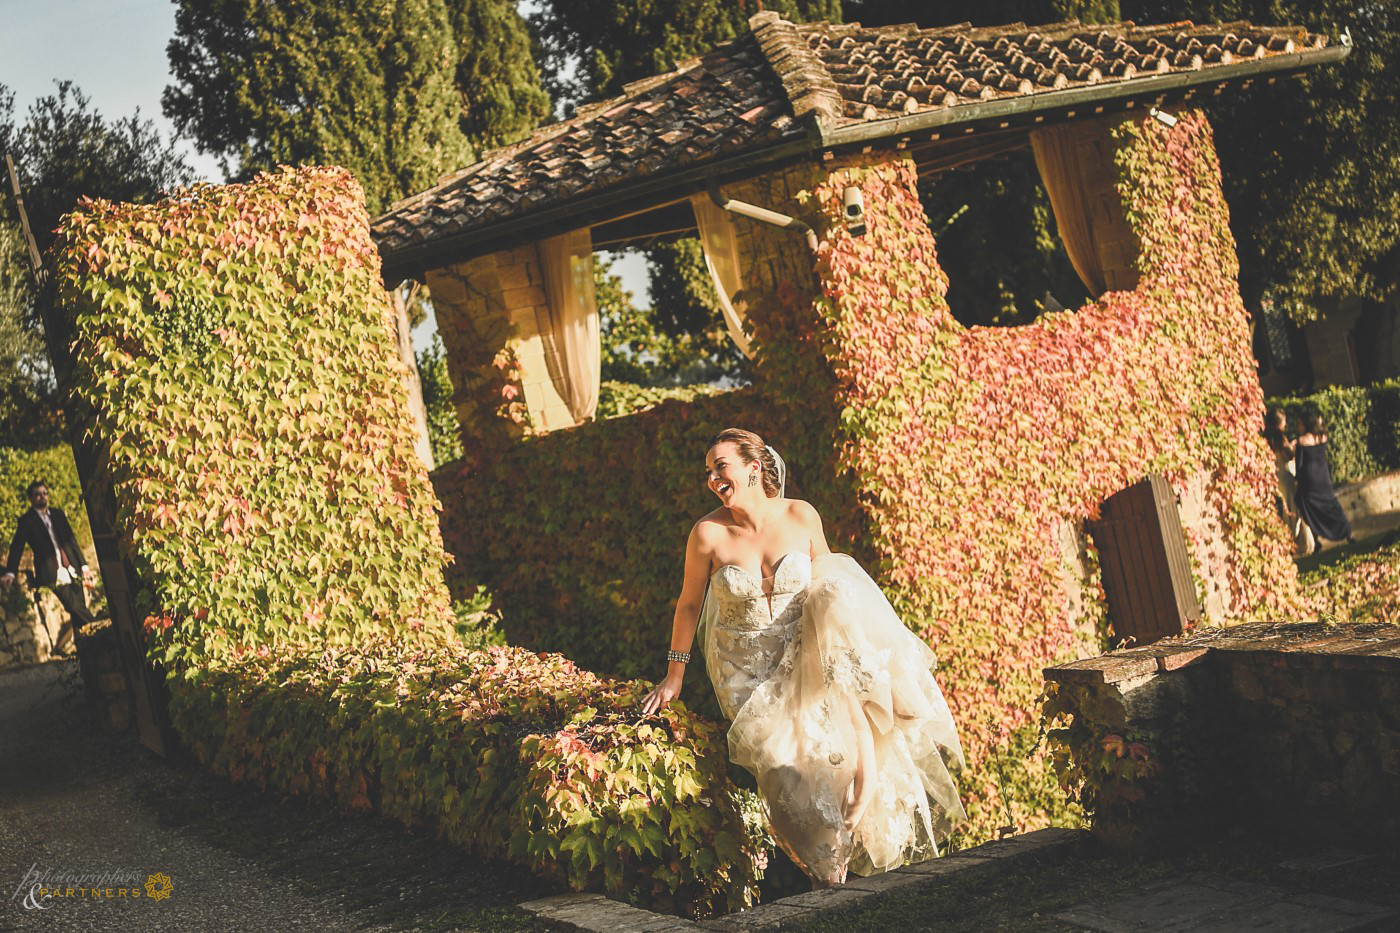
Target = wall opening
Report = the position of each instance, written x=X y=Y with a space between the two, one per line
x=998 y=242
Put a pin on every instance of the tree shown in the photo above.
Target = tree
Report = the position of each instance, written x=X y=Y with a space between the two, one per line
x=986 y=13
x=444 y=434
x=591 y=48
x=1310 y=165
x=685 y=344
x=65 y=150
x=397 y=92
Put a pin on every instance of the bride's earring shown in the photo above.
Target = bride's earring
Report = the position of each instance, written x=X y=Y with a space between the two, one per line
x=753 y=479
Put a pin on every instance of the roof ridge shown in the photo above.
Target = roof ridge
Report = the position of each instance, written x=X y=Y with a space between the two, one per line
x=804 y=77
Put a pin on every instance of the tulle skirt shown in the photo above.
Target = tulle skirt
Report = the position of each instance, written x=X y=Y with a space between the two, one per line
x=850 y=739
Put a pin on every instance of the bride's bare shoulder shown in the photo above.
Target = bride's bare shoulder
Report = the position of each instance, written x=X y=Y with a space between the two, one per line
x=711 y=528
x=803 y=511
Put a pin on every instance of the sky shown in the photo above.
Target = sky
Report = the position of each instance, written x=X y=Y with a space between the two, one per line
x=114 y=51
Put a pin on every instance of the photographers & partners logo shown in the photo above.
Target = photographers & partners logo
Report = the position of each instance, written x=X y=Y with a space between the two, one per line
x=43 y=889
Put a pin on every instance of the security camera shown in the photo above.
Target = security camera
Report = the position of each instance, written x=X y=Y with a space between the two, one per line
x=854 y=210
x=1162 y=117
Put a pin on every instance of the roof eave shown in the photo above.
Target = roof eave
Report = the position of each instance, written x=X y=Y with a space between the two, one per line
x=413 y=261
x=833 y=137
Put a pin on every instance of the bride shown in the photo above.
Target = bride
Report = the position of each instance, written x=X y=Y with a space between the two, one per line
x=832 y=701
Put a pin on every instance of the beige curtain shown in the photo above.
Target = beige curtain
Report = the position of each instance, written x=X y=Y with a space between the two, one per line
x=716 y=227
x=570 y=323
x=1057 y=158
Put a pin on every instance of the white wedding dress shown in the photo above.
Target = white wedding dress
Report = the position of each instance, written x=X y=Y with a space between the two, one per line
x=824 y=685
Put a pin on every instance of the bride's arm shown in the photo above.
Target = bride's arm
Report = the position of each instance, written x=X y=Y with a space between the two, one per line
x=697 y=574
x=812 y=521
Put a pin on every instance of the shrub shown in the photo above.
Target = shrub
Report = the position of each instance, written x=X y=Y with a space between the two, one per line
x=624 y=398
x=235 y=359
x=52 y=463
x=505 y=752
x=1363 y=427
x=943 y=458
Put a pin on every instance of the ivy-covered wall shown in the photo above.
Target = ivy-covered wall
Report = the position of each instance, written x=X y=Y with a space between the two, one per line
x=236 y=364
x=235 y=357
x=946 y=459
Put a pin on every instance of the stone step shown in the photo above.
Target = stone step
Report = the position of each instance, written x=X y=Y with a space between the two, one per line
x=597 y=914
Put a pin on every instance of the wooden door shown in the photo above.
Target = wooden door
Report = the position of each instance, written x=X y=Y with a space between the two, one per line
x=1146 y=571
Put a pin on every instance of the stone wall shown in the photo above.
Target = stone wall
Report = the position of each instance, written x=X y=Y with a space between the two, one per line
x=32 y=622
x=1270 y=728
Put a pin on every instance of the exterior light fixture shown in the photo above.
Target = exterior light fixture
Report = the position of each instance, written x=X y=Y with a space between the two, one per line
x=854 y=209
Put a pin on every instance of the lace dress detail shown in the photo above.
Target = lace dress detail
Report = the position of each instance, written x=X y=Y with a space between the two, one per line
x=828 y=694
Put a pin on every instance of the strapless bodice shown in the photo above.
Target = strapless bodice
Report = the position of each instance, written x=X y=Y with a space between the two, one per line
x=752 y=628
x=744 y=604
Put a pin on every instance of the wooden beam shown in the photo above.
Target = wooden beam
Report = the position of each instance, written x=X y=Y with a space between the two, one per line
x=35 y=260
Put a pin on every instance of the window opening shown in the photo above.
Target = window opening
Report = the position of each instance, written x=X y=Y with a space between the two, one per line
x=998 y=243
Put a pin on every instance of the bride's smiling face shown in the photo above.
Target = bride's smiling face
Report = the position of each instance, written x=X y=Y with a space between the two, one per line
x=726 y=474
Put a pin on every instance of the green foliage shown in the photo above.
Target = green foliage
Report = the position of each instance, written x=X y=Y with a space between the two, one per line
x=502 y=97
x=616 y=399
x=64 y=150
x=398 y=93
x=1107 y=771
x=1363 y=427
x=591 y=48
x=996 y=230
x=1360 y=588
x=504 y=752
x=1308 y=163
x=26 y=384
x=943 y=457
x=444 y=435
x=681 y=341
x=478 y=624
x=990 y=13
x=52 y=463
x=235 y=359
x=269 y=496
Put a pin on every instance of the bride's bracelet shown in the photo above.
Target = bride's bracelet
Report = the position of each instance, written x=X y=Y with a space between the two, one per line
x=682 y=656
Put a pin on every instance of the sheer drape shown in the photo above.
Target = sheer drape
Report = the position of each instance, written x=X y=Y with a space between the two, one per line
x=1060 y=167
x=716 y=228
x=570 y=328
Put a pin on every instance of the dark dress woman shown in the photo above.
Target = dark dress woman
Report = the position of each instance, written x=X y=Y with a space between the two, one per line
x=1316 y=499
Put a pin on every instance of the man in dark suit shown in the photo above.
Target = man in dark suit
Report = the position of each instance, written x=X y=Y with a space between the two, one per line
x=58 y=561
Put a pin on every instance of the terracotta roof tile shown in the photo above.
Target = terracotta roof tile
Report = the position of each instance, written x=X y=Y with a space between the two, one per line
x=764 y=88
x=897 y=70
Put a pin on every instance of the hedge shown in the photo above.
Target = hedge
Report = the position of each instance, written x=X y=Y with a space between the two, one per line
x=53 y=463
x=504 y=752
x=1363 y=427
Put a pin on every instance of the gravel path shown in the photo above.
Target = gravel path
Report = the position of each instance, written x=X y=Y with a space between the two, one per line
x=76 y=799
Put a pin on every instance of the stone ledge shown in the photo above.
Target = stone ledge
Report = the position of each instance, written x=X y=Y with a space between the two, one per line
x=1343 y=646
x=759 y=919
x=598 y=914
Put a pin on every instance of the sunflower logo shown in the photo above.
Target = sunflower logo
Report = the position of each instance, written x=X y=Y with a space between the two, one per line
x=159 y=886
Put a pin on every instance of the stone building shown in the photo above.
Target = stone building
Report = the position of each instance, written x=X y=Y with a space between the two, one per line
x=777 y=150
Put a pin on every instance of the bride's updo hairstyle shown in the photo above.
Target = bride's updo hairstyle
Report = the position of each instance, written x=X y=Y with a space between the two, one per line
x=751 y=448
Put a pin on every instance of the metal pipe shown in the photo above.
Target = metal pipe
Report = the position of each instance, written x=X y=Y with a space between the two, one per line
x=761 y=214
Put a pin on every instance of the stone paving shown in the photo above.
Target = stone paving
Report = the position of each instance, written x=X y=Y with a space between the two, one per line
x=76 y=798
x=1211 y=904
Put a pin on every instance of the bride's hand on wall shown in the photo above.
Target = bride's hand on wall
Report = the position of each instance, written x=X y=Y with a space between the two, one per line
x=662 y=694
